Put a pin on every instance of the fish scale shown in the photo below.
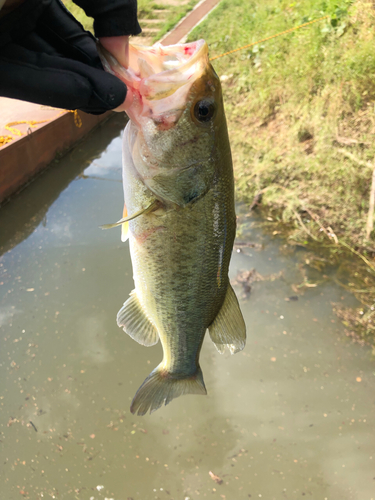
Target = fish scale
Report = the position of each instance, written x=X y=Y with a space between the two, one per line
x=173 y=272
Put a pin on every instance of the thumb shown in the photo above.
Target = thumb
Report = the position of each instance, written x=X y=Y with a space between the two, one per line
x=118 y=46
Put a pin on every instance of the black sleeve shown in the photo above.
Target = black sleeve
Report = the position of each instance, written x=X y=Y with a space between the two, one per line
x=112 y=17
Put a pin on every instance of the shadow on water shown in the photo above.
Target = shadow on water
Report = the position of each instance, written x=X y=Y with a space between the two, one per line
x=23 y=214
x=291 y=416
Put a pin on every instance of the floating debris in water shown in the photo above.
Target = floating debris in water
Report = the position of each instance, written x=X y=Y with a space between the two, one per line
x=246 y=278
x=293 y=298
x=216 y=478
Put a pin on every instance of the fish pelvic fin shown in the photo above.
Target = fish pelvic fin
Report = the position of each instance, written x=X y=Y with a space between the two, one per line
x=161 y=387
x=134 y=321
x=228 y=328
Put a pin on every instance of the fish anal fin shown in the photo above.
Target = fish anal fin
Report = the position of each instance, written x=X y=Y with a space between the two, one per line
x=125 y=225
x=228 y=328
x=161 y=387
x=134 y=321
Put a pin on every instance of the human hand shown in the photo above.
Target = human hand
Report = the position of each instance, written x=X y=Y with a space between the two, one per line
x=47 y=58
x=118 y=46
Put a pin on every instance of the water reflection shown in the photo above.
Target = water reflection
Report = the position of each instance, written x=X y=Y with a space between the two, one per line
x=19 y=218
x=291 y=416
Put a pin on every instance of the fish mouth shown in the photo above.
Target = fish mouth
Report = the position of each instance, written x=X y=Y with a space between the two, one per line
x=159 y=78
x=159 y=71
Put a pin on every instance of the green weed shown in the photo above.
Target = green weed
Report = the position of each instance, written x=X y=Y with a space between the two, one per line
x=301 y=116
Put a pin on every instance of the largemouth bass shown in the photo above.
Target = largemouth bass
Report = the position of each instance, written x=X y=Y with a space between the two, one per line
x=179 y=216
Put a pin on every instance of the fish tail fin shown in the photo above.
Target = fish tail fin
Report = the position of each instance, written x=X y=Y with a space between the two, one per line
x=161 y=387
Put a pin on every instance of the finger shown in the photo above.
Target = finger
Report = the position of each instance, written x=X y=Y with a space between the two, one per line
x=118 y=46
x=127 y=103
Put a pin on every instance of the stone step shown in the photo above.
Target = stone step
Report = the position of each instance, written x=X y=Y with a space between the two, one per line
x=149 y=31
x=151 y=21
x=143 y=40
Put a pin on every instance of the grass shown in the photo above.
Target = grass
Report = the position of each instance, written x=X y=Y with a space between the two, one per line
x=304 y=99
x=175 y=14
x=301 y=115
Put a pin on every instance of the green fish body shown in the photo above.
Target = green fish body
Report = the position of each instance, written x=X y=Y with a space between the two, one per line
x=178 y=179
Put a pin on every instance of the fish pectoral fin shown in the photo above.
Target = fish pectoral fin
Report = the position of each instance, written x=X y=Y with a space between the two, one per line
x=132 y=318
x=228 y=328
x=161 y=387
x=143 y=211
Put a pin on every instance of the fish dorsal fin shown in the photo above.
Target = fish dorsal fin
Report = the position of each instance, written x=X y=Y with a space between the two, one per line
x=228 y=328
x=143 y=211
x=125 y=225
x=132 y=318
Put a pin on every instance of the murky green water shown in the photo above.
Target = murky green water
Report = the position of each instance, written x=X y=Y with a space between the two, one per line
x=292 y=416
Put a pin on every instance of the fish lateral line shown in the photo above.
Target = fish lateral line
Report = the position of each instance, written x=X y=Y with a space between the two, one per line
x=154 y=205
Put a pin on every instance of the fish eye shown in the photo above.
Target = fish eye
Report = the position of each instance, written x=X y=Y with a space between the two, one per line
x=204 y=110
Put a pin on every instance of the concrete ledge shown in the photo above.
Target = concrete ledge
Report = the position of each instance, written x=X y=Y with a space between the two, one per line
x=22 y=159
x=194 y=17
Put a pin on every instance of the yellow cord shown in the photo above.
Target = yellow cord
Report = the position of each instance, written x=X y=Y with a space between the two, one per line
x=16 y=131
x=269 y=38
x=5 y=139
x=77 y=118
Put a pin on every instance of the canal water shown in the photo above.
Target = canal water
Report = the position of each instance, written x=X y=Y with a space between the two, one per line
x=290 y=417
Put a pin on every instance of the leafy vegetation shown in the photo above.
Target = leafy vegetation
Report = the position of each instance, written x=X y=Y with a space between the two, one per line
x=298 y=104
x=301 y=115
